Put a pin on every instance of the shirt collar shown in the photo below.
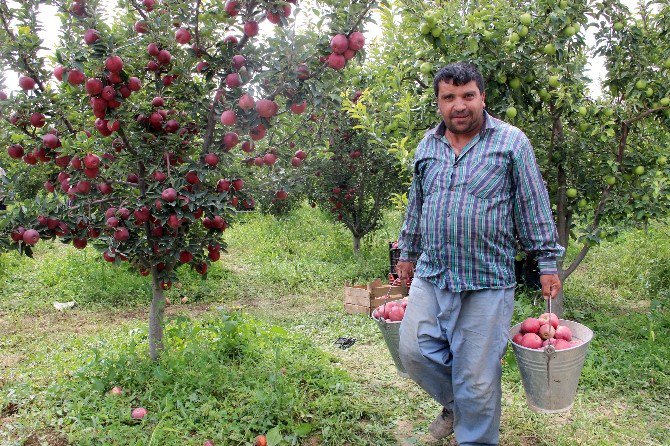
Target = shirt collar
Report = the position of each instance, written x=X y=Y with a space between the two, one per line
x=489 y=124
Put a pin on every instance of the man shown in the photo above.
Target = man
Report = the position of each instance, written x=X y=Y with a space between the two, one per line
x=476 y=186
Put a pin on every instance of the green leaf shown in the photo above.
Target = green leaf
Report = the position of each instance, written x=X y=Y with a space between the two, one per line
x=303 y=429
x=274 y=436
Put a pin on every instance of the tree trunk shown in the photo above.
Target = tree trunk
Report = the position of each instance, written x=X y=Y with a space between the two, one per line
x=156 y=316
x=558 y=304
x=357 y=244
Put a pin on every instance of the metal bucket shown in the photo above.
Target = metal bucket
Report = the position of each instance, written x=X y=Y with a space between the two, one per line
x=549 y=376
x=391 y=333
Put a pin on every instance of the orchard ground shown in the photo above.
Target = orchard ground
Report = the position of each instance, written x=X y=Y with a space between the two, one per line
x=252 y=350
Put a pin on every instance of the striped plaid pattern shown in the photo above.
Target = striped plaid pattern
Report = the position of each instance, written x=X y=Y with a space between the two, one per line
x=464 y=212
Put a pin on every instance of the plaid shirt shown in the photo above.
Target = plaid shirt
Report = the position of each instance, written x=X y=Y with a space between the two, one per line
x=465 y=214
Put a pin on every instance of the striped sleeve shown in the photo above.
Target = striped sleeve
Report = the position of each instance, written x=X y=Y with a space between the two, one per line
x=533 y=218
x=409 y=240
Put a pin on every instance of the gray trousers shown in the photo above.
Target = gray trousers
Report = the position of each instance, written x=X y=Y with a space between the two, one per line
x=451 y=344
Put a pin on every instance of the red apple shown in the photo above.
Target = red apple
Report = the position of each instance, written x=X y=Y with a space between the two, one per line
x=31 y=236
x=114 y=64
x=336 y=61
x=211 y=159
x=26 y=83
x=230 y=140
x=164 y=57
x=91 y=36
x=531 y=340
x=250 y=28
x=15 y=151
x=50 y=141
x=232 y=7
x=141 y=27
x=228 y=118
x=138 y=413
x=182 y=36
x=339 y=43
x=563 y=332
x=549 y=318
x=91 y=161
x=562 y=344
x=299 y=107
x=246 y=102
x=169 y=195
x=530 y=325
x=233 y=80
x=356 y=41
x=266 y=108
x=546 y=331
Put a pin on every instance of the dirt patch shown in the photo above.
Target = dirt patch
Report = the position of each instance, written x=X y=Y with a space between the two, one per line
x=49 y=436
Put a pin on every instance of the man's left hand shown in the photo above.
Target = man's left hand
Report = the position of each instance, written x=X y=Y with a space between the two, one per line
x=551 y=285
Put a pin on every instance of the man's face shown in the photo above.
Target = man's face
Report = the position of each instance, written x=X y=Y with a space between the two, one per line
x=461 y=107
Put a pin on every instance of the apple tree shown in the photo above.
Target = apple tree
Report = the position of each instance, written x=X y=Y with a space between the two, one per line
x=603 y=156
x=143 y=123
x=353 y=177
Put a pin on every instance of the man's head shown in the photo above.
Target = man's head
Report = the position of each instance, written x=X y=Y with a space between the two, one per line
x=459 y=73
x=459 y=88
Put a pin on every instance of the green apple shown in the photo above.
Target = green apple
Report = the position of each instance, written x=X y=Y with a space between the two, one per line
x=513 y=38
x=571 y=193
x=515 y=83
x=662 y=160
x=618 y=26
x=525 y=19
x=649 y=92
x=501 y=78
x=426 y=68
x=563 y=4
x=583 y=126
x=666 y=64
x=639 y=170
x=523 y=32
x=425 y=28
x=665 y=101
x=570 y=31
x=608 y=112
x=553 y=81
x=641 y=84
x=582 y=203
x=582 y=110
x=510 y=112
x=544 y=94
x=610 y=180
x=436 y=32
x=549 y=49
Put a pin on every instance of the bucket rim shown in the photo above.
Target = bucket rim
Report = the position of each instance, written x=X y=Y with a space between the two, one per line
x=517 y=329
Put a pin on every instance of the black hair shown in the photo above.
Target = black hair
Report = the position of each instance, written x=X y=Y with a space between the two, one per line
x=459 y=73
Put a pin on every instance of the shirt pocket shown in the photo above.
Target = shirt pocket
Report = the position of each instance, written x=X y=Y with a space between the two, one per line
x=488 y=180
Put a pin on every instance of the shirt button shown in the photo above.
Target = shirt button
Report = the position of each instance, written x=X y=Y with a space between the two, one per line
x=452 y=188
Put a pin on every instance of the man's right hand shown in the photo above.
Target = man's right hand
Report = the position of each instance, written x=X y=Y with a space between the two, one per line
x=404 y=269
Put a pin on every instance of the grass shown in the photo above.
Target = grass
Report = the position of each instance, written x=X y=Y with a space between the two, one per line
x=253 y=351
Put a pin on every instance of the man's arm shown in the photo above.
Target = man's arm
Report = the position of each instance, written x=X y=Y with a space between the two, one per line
x=409 y=240
x=533 y=217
